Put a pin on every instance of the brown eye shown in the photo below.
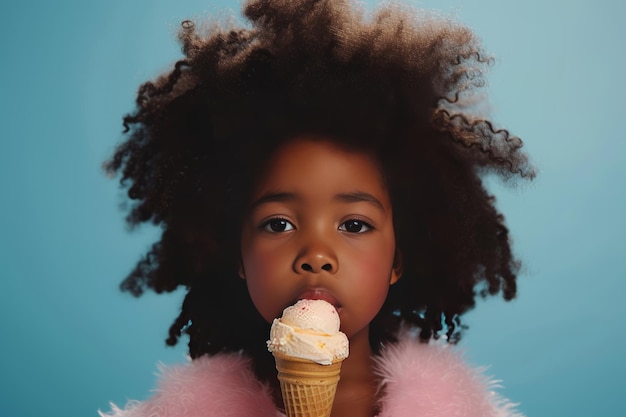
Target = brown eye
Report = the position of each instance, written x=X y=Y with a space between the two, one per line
x=355 y=226
x=277 y=225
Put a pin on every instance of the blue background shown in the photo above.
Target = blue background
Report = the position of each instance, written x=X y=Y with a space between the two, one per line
x=71 y=341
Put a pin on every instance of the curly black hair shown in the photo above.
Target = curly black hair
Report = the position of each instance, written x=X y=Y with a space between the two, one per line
x=404 y=85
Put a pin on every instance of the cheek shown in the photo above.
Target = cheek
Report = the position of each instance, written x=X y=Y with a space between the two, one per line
x=375 y=278
x=372 y=269
x=377 y=260
x=375 y=268
x=261 y=302
x=264 y=293
x=265 y=278
x=265 y=260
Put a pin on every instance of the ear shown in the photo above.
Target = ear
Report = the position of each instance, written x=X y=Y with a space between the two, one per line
x=395 y=276
x=397 y=270
x=242 y=272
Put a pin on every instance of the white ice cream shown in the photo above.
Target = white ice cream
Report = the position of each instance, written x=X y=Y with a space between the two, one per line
x=309 y=330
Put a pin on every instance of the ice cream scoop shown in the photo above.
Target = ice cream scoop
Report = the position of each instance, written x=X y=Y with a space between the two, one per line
x=309 y=330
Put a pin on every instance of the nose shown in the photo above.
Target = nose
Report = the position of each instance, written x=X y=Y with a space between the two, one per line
x=316 y=259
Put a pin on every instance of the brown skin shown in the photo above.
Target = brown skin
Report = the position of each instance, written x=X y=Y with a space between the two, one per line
x=321 y=226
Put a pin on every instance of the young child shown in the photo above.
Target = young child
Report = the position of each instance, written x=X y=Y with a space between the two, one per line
x=319 y=154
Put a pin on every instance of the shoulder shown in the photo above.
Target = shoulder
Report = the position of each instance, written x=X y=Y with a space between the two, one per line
x=432 y=379
x=221 y=385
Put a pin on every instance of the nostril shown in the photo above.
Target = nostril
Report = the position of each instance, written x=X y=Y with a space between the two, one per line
x=307 y=267
x=327 y=267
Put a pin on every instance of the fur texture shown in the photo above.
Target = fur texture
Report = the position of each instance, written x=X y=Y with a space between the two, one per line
x=218 y=386
x=418 y=380
x=432 y=380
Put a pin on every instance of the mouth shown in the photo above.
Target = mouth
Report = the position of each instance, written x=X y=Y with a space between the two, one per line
x=320 y=294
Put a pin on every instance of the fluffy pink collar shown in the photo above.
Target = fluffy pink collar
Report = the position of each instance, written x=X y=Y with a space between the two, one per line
x=420 y=380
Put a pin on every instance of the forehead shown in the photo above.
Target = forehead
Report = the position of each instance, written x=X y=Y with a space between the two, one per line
x=312 y=165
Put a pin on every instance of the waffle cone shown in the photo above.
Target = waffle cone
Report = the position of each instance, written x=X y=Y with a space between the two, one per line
x=308 y=388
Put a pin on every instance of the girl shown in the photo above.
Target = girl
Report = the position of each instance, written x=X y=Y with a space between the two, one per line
x=321 y=155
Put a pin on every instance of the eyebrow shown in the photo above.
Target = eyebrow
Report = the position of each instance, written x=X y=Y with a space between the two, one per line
x=273 y=198
x=358 y=197
x=355 y=197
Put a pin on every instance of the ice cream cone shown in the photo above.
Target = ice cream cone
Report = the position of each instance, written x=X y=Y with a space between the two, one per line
x=308 y=388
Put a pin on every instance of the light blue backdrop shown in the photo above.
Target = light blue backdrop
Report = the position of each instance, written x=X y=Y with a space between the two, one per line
x=70 y=342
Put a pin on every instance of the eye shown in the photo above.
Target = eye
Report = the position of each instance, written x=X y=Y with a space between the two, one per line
x=355 y=226
x=277 y=225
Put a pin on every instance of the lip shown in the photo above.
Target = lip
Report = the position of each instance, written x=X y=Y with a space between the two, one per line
x=320 y=294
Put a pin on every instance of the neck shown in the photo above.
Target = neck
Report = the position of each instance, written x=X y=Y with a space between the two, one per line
x=356 y=392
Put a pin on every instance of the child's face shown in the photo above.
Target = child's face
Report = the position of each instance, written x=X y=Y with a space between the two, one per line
x=320 y=226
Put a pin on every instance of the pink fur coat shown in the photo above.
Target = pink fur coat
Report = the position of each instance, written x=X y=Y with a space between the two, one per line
x=420 y=380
